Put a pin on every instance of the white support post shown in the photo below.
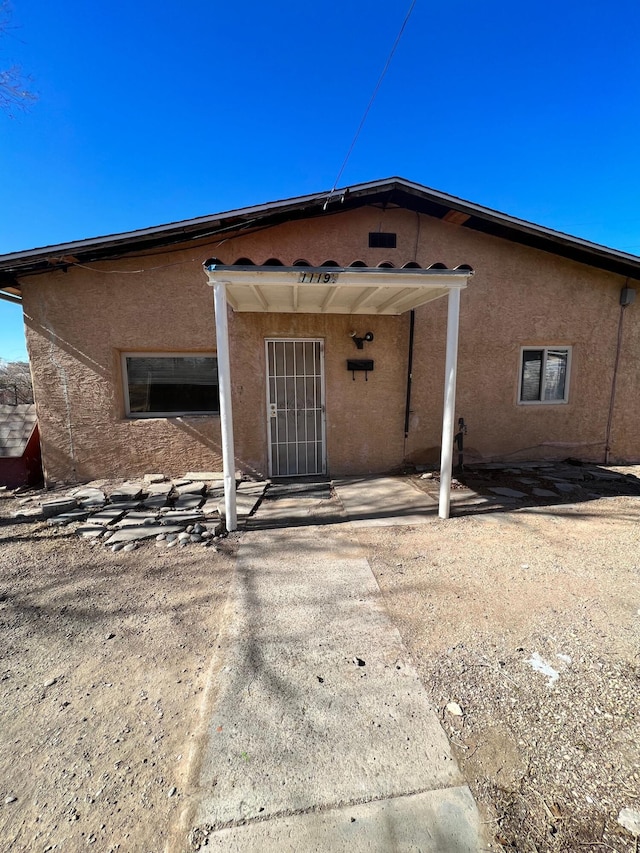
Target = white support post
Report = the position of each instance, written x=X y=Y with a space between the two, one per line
x=450 y=371
x=226 y=410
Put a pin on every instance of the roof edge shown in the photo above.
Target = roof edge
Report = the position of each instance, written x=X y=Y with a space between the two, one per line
x=38 y=260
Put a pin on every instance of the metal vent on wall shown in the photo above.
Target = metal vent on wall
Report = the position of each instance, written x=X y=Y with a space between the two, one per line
x=382 y=240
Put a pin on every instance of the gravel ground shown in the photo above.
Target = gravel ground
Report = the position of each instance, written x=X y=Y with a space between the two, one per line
x=105 y=658
x=479 y=601
x=102 y=676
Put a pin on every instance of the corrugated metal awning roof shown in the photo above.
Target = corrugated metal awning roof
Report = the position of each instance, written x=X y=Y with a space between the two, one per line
x=333 y=290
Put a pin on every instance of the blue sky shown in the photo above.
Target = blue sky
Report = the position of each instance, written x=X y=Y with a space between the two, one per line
x=150 y=113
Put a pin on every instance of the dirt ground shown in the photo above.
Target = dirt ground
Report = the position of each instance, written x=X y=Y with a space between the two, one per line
x=552 y=761
x=102 y=673
x=105 y=659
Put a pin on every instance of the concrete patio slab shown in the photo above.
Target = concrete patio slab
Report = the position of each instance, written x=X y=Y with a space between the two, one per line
x=126 y=493
x=247 y=498
x=320 y=490
x=157 y=489
x=125 y=506
x=251 y=487
x=108 y=515
x=91 y=531
x=155 y=502
x=210 y=508
x=58 y=506
x=297 y=512
x=88 y=492
x=604 y=474
x=506 y=492
x=544 y=493
x=195 y=488
x=70 y=517
x=204 y=475
x=189 y=502
x=136 y=518
x=384 y=501
x=154 y=478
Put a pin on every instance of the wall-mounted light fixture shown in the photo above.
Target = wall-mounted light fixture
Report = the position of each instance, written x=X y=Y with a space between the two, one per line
x=359 y=342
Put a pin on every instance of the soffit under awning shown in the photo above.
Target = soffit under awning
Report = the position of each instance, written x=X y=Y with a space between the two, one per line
x=333 y=290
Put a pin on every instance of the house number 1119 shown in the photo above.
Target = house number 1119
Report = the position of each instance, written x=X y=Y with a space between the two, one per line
x=318 y=278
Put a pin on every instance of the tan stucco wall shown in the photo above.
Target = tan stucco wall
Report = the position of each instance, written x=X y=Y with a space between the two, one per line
x=77 y=324
x=521 y=297
x=79 y=321
x=625 y=432
x=364 y=419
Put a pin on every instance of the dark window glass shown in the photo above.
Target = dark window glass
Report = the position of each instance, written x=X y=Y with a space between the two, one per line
x=555 y=374
x=382 y=240
x=172 y=384
x=531 y=375
x=544 y=375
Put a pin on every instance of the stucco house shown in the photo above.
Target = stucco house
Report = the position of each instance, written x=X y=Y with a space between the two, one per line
x=331 y=350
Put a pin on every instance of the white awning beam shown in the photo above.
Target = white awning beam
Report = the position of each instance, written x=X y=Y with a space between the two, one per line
x=448 y=414
x=226 y=408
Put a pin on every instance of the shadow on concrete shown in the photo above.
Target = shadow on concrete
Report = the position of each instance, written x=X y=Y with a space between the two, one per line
x=568 y=484
x=317 y=704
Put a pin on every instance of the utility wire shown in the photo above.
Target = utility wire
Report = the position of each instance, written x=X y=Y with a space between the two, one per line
x=372 y=99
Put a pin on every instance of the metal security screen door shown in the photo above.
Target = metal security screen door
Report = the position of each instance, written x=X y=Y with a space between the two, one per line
x=295 y=403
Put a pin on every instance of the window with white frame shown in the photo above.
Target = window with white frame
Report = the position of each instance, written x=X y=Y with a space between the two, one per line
x=544 y=374
x=170 y=384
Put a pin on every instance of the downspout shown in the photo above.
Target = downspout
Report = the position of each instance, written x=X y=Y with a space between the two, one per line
x=407 y=410
x=627 y=296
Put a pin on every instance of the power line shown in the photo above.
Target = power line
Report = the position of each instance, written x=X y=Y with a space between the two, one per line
x=371 y=100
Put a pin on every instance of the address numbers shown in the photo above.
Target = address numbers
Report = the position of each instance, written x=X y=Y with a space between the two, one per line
x=318 y=277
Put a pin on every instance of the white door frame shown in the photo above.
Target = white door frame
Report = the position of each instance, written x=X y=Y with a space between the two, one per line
x=323 y=427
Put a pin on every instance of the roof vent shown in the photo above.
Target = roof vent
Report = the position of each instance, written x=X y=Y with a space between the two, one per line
x=382 y=240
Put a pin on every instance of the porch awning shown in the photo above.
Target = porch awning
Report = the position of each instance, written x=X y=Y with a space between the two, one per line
x=333 y=290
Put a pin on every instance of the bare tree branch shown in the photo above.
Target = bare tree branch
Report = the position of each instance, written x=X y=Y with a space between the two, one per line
x=15 y=91
x=15 y=383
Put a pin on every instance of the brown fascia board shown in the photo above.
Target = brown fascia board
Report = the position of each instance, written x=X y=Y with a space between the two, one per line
x=183 y=231
x=497 y=224
x=391 y=191
x=47 y=258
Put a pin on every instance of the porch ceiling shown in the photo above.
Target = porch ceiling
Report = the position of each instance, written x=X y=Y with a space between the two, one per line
x=333 y=290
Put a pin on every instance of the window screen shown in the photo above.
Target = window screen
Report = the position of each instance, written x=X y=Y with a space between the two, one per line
x=531 y=375
x=171 y=384
x=544 y=375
